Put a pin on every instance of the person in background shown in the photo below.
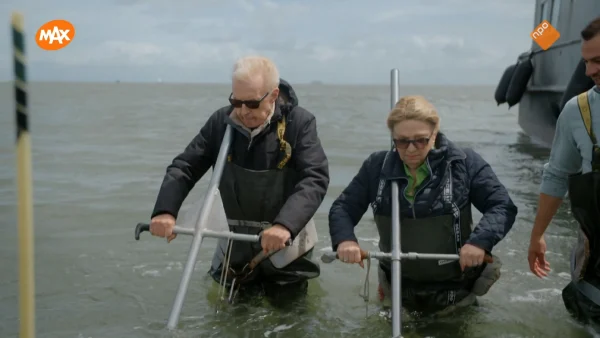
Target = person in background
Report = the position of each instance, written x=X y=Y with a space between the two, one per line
x=574 y=167
x=438 y=182
x=275 y=178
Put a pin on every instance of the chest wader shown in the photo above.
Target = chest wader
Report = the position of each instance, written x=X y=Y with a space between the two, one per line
x=582 y=295
x=252 y=199
x=428 y=285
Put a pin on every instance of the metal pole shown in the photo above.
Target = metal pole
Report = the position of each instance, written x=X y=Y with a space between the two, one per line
x=329 y=257
x=396 y=249
x=202 y=219
x=230 y=235
x=395 y=91
x=395 y=87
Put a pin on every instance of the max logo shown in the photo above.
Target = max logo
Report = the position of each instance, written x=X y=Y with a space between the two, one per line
x=55 y=35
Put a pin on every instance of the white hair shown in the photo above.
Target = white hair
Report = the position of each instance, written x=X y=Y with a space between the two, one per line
x=251 y=67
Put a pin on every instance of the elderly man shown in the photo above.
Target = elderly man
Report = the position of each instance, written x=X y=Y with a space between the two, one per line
x=574 y=166
x=275 y=179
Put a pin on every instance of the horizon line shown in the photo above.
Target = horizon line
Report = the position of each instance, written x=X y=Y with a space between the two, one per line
x=314 y=83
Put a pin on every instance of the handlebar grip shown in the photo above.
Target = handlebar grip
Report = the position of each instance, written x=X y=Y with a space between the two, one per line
x=139 y=228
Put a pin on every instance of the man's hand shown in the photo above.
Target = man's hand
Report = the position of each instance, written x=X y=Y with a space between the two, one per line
x=162 y=226
x=536 y=255
x=538 y=264
x=349 y=252
x=274 y=238
x=470 y=256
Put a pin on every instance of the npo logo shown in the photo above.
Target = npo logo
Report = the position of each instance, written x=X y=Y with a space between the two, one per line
x=55 y=34
x=545 y=35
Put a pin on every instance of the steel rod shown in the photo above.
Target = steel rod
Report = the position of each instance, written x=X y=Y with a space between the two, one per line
x=217 y=234
x=396 y=249
x=332 y=255
x=202 y=219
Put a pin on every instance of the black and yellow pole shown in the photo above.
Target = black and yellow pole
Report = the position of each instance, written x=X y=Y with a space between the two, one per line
x=24 y=185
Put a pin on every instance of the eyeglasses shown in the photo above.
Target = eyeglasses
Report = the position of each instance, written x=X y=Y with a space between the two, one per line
x=419 y=143
x=251 y=104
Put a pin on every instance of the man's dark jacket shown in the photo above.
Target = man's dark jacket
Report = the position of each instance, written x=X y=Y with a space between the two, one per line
x=261 y=153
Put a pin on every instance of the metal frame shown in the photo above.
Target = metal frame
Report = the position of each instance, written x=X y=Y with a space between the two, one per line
x=201 y=230
x=396 y=255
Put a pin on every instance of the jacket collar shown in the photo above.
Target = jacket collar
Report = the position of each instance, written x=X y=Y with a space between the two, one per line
x=232 y=120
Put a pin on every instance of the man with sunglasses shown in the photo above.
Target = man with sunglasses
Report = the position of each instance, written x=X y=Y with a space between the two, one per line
x=274 y=180
x=438 y=184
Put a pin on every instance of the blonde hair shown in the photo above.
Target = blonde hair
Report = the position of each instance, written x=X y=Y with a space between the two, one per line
x=413 y=107
x=251 y=67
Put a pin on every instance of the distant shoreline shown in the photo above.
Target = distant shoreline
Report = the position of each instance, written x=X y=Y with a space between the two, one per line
x=227 y=84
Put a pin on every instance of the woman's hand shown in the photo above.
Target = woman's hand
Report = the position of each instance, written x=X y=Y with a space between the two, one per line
x=349 y=252
x=471 y=256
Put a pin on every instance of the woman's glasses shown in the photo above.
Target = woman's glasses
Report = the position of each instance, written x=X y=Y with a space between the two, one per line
x=419 y=143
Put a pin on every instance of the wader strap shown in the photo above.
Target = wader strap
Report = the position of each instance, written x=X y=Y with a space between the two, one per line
x=586 y=115
x=590 y=291
x=284 y=146
x=379 y=195
x=449 y=200
x=249 y=224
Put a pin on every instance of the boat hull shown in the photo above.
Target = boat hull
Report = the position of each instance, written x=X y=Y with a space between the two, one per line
x=537 y=115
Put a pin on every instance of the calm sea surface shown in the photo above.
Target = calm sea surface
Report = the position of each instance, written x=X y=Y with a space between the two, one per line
x=99 y=155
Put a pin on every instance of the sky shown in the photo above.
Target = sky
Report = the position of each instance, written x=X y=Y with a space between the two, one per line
x=444 y=42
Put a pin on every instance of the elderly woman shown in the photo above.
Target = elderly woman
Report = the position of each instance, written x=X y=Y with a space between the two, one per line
x=438 y=181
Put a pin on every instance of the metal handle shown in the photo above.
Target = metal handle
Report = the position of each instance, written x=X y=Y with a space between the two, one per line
x=141 y=227
x=488 y=259
x=329 y=257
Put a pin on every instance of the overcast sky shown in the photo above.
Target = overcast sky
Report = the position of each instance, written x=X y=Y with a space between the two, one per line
x=335 y=41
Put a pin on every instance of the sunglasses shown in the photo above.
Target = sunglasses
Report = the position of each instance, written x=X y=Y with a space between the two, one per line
x=251 y=104
x=419 y=143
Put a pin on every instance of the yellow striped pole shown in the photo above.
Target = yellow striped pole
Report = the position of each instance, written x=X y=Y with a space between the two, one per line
x=24 y=189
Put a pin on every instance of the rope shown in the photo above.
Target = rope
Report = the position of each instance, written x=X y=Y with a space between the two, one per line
x=225 y=270
x=365 y=293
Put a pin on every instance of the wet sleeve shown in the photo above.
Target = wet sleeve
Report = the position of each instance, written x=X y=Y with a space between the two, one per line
x=565 y=158
x=491 y=198
x=185 y=171
x=313 y=170
x=348 y=209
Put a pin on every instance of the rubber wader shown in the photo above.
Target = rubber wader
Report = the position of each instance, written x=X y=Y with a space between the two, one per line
x=252 y=199
x=434 y=285
x=582 y=295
